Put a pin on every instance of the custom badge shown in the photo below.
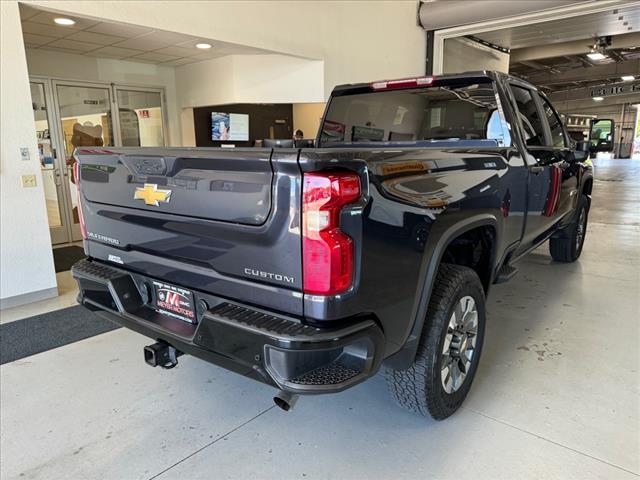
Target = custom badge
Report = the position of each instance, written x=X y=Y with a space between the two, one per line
x=152 y=195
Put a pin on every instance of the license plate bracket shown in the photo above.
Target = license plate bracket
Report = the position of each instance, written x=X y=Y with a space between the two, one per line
x=174 y=301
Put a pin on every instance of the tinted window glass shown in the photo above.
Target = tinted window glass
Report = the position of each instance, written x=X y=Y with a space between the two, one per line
x=555 y=125
x=529 y=116
x=454 y=113
x=601 y=130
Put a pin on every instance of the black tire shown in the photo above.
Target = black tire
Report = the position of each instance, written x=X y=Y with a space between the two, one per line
x=420 y=387
x=567 y=245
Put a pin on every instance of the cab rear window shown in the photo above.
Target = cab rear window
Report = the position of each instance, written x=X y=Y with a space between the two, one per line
x=457 y=113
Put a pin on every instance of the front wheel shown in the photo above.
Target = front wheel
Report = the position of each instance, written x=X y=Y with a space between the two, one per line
x=567 y=246
x=440 y=377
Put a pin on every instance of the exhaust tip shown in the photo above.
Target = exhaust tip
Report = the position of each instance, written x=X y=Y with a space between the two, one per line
x=285 y=400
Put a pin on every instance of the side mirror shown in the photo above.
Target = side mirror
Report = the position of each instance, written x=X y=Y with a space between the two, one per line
x=581 y=152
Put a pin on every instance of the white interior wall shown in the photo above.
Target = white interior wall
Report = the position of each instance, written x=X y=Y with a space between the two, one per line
x=358 y=41
x=249 y=79
x=464 y=55
x=26 y=260
x=80 y=67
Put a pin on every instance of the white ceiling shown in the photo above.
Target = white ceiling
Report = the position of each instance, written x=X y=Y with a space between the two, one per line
x=613 y=22
x=120 y=41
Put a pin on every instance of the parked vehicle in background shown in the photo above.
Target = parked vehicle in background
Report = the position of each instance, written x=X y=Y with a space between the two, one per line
x=309 y=269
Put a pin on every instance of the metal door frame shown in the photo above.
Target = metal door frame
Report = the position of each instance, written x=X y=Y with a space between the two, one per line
x=74 y=228
x=60 y=234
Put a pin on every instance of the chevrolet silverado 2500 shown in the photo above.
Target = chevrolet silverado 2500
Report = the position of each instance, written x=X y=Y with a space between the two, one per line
x=309 y=269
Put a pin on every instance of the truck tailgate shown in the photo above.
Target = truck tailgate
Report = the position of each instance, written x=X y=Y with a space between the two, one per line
x=232 y=187
x=215 y=220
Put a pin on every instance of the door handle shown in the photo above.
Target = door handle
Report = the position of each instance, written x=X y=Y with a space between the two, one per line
x=536 y=169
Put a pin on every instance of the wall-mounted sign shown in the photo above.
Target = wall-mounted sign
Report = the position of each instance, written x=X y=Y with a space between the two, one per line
x=616 y=89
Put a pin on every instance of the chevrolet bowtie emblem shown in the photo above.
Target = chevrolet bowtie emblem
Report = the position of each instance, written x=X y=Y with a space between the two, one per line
x=151 y=195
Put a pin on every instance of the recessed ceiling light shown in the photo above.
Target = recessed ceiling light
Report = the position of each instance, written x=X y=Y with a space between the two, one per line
x=598 y=99
x=64 y=21
x=627 y=78
x=203 y=46
x=596 y=56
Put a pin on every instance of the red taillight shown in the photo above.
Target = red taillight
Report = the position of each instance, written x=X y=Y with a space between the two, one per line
x=402 y=83
x=76 y=177
x=327 y=252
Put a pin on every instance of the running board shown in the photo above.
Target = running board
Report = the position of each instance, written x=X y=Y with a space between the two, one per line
x=506 y=273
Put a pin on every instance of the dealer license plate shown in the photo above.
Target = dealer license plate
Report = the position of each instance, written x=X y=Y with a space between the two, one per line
x=175 y=301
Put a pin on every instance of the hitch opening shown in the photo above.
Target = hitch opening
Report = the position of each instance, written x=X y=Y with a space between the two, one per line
x=161 y=354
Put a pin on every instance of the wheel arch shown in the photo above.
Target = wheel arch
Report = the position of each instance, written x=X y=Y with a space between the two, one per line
x=439 y=242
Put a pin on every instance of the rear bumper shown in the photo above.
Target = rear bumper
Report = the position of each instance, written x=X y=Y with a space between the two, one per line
x=275 y=349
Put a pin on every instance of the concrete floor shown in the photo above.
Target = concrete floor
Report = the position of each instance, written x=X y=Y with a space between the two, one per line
x=557 y=394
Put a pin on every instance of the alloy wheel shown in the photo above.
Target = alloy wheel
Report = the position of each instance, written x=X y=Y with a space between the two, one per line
x=581 y=228
x=459 y=347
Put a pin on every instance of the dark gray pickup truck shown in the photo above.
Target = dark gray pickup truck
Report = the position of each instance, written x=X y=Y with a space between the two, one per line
x=309 y=269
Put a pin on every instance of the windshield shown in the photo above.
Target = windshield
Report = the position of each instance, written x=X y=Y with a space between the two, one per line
x=460 y=114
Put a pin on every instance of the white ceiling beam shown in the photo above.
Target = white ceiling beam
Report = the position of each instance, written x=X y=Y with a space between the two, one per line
x=576 y=47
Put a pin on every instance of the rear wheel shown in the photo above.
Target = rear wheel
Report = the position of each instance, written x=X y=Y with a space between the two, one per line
x=449 y=349
x=567 y=246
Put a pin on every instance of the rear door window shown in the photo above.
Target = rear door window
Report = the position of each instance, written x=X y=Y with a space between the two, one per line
x=452 y=113
x=558 y=139
x=529 y=116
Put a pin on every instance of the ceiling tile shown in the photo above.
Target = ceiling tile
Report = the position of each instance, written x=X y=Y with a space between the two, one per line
x=46 y=18
x=179 y=51
x=58 y=49
x=142 y=43
x=73 y=45
x=170 y=38
x=98 y=38
x=116 y=52
x=191 y=42
x=31 y=39
x=180 y=61
x=154 y=57
x=153 y=40
x=119 y=29
x=26 y=12
x=49 y=30
x=140 y=60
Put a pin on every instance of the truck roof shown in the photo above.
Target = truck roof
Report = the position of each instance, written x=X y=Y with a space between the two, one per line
x=418 y=81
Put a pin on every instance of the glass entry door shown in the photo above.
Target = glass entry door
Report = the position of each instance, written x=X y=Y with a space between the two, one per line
x=51 y=162
x=84 y=117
